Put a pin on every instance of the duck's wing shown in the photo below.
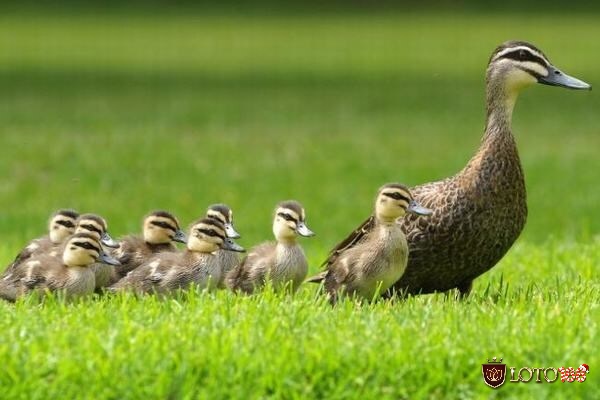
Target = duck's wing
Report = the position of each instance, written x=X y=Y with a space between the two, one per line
x=355 y=237
x=252 y=269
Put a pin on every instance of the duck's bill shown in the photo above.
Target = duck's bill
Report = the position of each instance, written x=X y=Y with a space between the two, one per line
x=180 y=236
x=230 y=245
x=106 y=259
x=556 y=77
x=417 y=209
x=303 y=230
x=108 y=241
x=231 y=232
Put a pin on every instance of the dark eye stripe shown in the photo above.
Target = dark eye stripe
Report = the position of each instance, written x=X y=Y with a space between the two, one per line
x=86 y=245
x=164 y=225
x=396 y=196
x=524 y=55
x=287 y=217
x=66 y=224
x=211 y=232
x=92 y=228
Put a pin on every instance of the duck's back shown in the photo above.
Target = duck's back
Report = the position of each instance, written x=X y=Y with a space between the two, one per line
x=36 y=247
x=45 y=272
x=133 y=251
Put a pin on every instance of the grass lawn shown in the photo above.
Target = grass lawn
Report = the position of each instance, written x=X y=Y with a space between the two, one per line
x=122 y=114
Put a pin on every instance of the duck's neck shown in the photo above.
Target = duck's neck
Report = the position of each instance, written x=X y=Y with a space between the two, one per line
x=498 y=144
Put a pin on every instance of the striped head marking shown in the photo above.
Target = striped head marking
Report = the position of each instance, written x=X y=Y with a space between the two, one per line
x=96 y=226
x=208 y=235
x=84 y=249
x=290 y=220
x=520 y=64
x=394 y=200
x=223 y=213
x=161 y=227
x=62 y=225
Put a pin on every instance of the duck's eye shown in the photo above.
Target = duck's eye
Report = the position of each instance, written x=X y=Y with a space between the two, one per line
x=287 y=217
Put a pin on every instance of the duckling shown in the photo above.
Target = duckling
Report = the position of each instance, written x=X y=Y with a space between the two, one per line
x=374 y=256
x=160 y=230
x=283 y=263
x=228 y=259
x=60 y=226
x=479 y=212
x=96 y=226
x=69 y=273
x=197 y=265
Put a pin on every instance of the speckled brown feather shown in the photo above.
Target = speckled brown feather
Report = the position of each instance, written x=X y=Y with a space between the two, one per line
x=477 y=214
x=133 y=251
x=45 y=272
x=168 y=272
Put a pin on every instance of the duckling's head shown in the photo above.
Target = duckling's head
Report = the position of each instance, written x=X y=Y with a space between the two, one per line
x=161 y=227
x=62 y=224
x=95 y=225
x=394 y=200
x=208 y=235
x=518 y=64
x=84 y=249
x=224 y=214
x=289 y=221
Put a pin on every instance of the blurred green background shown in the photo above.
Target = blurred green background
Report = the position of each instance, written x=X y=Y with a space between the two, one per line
x=120 y=110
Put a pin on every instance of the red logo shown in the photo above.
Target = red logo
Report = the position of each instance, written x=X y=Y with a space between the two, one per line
x=494 y=373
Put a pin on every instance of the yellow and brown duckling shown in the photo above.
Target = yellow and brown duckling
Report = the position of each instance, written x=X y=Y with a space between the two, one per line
x=373 y=257
x=282 y=263
x=60 y=226
x=96 y=226
x=159 y=230
x=479 y=212
x=228 y=259
x=70 y=272
x=196 y=266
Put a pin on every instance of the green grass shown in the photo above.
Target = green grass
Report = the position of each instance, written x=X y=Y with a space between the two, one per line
x=123 y=114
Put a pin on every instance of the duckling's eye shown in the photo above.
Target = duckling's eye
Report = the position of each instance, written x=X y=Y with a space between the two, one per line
x=66 y=224
x=86 y=245
x=287 y=217
x=163 y=225
x=209 y=232
x=92 y=228
x=396 y=196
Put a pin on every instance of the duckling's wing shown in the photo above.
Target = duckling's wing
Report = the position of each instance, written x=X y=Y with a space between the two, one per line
x=252 y=269
x=356 y=236
x=36 y=246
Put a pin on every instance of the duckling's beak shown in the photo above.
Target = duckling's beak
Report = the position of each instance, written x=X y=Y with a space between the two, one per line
x=556 y=77
x=231 y=232
x=108 y=241
x=180 y=236
x=230 y=245
x=106 y=259
x=303 y=230
x=417 y=209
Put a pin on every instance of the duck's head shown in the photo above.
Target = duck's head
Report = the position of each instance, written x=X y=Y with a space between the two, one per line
x=208 y=235
x=289 y=221
x=394 y=200
x=62 y=224
x=519 y=64
x=161 y=227
x=224 y=214
x=84 y=249
x=96 y=226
